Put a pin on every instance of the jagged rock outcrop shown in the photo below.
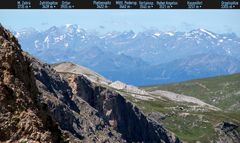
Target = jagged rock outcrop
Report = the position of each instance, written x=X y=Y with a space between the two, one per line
x=228 y=132
x=122 y=115
x=72 y=113
x=22 y=116
x=38 y=104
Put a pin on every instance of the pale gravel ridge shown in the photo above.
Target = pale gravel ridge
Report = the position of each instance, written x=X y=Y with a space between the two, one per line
x=128 y=88
x=182 y=98
x=67 y=67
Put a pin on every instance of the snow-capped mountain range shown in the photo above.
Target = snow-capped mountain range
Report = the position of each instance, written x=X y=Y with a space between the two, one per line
x=147 y=57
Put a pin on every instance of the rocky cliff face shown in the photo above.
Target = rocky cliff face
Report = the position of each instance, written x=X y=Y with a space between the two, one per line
x=228 y=132
x=22 y=116
x=39 y=104
x=123 y=116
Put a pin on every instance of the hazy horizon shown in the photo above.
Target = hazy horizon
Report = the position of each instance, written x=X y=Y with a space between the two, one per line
x=125 y=20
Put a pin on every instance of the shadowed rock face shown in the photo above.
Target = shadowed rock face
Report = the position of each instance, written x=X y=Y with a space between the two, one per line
x=229 y=132
x=74 y=116
x=120 y=114
x=39 y=104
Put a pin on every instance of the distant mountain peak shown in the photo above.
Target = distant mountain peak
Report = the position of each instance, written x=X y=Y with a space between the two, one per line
x=157 y=34
x=53 y=28
x=169 y=33
x=68 y=25
x=208 y=32
x=121 y=55
x=201 y=34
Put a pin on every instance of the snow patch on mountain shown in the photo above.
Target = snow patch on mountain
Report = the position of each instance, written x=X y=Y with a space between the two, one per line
x=60 y=38
x=170 y=33
x=79 y=29
x=46 y=40
x=157 y=34
x=221 y=40
x=36 y=44
x=68 y=25
x=134 y=36
x=66 y=45
x=209 y=33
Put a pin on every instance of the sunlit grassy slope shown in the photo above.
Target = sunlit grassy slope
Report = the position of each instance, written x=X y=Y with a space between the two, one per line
x=221 y=91
x=190 y=124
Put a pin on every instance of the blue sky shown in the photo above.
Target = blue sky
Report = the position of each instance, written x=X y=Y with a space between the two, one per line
x=219 y=21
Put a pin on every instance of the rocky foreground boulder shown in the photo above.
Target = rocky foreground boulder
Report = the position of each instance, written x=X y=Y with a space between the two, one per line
x=37 y=104
x=228 y=132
